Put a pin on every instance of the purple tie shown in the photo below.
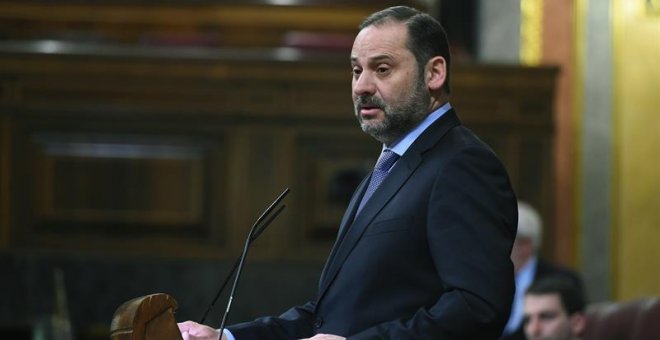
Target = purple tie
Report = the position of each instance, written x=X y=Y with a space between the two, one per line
x=383 y=166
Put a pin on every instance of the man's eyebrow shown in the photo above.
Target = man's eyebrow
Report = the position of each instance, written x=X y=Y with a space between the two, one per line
x=381 y=57
x=548 y=314
x=375 y=59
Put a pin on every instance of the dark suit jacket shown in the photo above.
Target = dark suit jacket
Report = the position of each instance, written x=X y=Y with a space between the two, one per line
x=545 y=269
x=428 y=257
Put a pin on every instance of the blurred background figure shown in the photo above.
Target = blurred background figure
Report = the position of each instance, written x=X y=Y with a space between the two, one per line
x=554 y=308
x=529 y=267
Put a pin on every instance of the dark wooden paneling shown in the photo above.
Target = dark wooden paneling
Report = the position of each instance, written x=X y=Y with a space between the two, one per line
x=191 y=23
x=105 y=180
x=187 y=150
x=331 y=167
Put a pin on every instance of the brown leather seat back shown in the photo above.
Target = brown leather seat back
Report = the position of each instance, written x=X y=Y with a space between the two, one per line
x=647 y=325
x=629 y=320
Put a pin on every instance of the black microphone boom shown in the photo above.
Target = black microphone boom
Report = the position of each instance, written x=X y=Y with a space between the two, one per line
x=259 y=226
x=238 y=260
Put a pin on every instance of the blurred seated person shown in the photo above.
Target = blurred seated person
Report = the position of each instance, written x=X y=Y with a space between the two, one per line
x=554 y=308
x=529 y=267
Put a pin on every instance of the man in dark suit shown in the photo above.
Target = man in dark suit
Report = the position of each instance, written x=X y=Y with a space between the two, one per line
x=529 y=267
x=554 y=308
x=424 y=254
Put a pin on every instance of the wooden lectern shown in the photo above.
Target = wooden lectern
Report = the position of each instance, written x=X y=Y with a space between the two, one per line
x=148 y=317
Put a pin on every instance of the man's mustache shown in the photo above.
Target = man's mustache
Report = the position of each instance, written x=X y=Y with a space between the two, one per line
x=369 y=101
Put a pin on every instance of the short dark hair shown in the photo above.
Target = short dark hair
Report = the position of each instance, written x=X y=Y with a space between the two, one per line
x=571 y=295
x=426 y=37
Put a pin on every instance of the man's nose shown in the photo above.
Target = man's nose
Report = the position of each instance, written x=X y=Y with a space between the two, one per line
x=533 y=327
x=364 y=85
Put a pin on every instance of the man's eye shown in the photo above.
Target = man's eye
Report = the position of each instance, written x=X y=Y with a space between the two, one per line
x=525 y=320
x=382 y=70
x=548 y=316
x=356 y=71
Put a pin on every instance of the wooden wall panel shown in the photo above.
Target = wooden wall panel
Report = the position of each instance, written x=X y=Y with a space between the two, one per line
x=123 y=146
x=108 y=188
x=101 y=182
x=331 y=167
x=186 y=23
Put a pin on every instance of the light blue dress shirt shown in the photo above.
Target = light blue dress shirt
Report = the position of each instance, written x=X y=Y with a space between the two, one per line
x=400 y=146
x=524 y=279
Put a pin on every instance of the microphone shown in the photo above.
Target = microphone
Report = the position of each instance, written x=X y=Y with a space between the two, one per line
x=257 y=228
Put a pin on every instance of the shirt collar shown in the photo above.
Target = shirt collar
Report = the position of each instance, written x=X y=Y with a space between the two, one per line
x=401 y=145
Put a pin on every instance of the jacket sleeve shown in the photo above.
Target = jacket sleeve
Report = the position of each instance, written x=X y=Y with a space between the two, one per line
x=295 y=323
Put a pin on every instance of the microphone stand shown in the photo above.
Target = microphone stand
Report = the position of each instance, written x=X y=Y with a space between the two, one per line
x=259 y=226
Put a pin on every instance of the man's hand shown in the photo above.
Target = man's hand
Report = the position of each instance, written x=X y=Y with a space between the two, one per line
x=191 y=330
x=325 y=337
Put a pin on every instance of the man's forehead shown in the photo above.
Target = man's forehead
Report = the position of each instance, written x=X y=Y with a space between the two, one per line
x=543 y=301
x=385 y=41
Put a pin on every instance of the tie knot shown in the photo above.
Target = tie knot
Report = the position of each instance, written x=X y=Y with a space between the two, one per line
x=386 y=160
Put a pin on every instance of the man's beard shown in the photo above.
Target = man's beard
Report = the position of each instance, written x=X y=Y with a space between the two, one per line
x=398 y=119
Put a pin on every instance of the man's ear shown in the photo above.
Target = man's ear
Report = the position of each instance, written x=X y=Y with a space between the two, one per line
x=578 y=323
x=436 y=73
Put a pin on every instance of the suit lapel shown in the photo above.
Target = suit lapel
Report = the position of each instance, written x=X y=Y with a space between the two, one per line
x=353 y=232
x=349 y=216
x=350 y=233
x=346 y=220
